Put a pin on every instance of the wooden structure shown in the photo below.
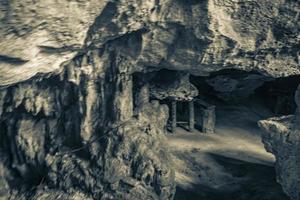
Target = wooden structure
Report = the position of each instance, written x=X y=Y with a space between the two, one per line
x=204 y=114
x=206 y=119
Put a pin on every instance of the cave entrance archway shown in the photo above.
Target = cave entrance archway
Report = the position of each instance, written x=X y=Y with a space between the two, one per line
x=278 y=94
x=235 y=153
x=234 y=158
x=233 y=86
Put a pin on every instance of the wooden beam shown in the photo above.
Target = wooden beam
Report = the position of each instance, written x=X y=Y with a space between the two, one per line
x=191 y=116
x=173 y=115
x=209 y=120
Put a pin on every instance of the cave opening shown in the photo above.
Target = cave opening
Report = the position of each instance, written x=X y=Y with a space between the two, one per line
x=278 y=94
x=215 y=140
x=173 y=89
x=231 y=163
x=240 y=87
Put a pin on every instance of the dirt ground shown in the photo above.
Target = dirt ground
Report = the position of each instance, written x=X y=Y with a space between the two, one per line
x=231 y=164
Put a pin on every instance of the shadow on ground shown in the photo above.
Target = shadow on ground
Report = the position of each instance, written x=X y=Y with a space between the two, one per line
x=258 y=183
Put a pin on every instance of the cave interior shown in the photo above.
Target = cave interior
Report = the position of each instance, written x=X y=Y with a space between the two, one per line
x=220 y=105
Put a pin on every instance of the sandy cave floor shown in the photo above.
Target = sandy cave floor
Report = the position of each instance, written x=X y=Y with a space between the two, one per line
x=230 y=164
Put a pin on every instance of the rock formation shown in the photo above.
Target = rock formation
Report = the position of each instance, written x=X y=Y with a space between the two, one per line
x=76 y=132
x=235 y=85
x=70 y=125
x=173 y=85
x=282 y=138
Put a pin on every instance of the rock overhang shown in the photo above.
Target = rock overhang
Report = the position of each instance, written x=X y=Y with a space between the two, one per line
x=199 y=37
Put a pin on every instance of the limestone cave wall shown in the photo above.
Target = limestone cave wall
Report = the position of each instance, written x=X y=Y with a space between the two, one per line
x=75 y=134
x=281 y=137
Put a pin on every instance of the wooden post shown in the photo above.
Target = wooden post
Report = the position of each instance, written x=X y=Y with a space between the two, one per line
x=173 y=116
x=209 y=120
x=191 y=115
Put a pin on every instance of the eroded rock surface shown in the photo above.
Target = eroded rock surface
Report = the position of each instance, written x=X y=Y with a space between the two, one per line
x=199 y=36
x=282 y=138
x=172 y=85
x=235 y=85
x=75 y=132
